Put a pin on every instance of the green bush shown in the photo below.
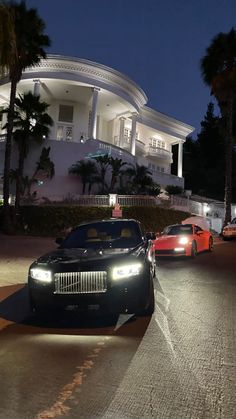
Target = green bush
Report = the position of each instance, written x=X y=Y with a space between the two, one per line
x=54 y=220
x=174 y=190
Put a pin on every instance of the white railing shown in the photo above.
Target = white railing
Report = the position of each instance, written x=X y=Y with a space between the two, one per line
x=185 y=204
x=138 y=200
x=101 y=200
x=85 y=200
x=159 y=152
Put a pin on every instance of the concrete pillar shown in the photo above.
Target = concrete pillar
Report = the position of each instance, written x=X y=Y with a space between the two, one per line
x=93 y=120
x=133 y=133
x=36 y=87
x=180 y=159
x=122 y=131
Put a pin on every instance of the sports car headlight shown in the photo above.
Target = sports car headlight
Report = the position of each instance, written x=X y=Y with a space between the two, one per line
x=126 y=271
x=41 y=274
x=183 y=240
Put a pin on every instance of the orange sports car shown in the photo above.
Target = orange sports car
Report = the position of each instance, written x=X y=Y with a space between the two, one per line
x=183 y=240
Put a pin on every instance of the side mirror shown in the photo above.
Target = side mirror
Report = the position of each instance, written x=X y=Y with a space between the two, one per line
x=150 y=236
x=59 y=240
x=158 y=234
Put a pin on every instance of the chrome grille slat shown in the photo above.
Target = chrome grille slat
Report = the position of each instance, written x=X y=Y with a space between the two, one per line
x=80 y=282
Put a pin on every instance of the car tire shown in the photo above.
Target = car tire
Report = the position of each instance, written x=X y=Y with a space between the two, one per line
x=210 y=245
x=194 y=250
x=149 y=310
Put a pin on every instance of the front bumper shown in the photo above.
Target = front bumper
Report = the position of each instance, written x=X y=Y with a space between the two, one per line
x=128 y=295
x=229 y=234
x=170 y=252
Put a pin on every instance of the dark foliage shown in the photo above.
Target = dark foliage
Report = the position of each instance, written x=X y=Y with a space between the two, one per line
x=55 y=220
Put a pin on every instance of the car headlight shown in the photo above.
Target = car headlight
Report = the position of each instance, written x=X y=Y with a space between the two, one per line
x=41 y=274
x=126 y=271
x=183 y=240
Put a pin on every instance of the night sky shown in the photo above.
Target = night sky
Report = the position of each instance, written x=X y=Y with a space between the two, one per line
x=156 y=43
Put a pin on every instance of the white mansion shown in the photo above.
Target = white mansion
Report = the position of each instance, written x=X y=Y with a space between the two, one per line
x=96 y=110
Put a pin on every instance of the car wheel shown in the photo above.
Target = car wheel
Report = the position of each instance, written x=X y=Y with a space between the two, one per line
x=210 y=246
x=194 y=250
x=149 y=310
x=225 y=238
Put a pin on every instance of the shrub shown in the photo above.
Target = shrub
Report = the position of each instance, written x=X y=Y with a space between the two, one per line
x=174 y=190
x=55 y=220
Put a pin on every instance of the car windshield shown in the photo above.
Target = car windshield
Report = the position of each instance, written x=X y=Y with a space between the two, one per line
x=105 y=234
x=178 y=229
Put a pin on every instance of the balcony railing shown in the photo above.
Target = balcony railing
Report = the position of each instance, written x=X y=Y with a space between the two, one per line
x=140 y=147
x=160 y=153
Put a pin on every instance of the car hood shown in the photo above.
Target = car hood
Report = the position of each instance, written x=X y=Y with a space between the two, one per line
x=64 y=256
x=162 y=239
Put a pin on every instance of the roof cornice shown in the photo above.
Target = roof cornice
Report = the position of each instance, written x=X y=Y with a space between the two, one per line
x=98 y=74
x=165 y=123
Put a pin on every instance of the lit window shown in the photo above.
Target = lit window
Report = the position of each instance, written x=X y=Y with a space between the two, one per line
x=156 y=143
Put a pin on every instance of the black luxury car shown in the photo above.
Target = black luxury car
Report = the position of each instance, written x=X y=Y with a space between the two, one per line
x=106 y=263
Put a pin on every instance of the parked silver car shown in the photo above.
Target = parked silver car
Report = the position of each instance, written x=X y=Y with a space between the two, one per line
x=229 y=231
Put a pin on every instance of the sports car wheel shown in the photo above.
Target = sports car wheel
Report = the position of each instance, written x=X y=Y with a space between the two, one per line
x=210 y=246
x=194 y=250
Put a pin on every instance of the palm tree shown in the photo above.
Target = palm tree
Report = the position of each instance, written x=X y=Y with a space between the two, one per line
x=22 y=40
x=103 y=164
x=140 y=177
x=44 y=169
x=218 y=68
x=32 y=123
x=86 y=170
x=116 y=165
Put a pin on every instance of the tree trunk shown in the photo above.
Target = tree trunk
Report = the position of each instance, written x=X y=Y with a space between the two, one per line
x=19 y=177
x=228 y=162
x=7 y=164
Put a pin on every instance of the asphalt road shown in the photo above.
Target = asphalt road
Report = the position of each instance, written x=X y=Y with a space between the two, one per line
x=180 y=363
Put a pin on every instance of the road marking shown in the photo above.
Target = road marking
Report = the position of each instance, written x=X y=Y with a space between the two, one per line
x=60 y=408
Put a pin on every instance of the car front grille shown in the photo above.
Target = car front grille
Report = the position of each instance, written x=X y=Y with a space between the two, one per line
x=168 y=252
x=80 y=282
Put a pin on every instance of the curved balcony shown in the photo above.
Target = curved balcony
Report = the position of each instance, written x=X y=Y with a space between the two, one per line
x=159 y=153
x=140 y=148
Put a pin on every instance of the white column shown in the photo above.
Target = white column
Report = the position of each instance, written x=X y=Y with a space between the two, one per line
x=92 y=128
x=36 y=87
x=180 y=159
x=133 y=133
x=122 y=131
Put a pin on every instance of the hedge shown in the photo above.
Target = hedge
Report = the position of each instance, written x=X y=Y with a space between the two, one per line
x=54 y=220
